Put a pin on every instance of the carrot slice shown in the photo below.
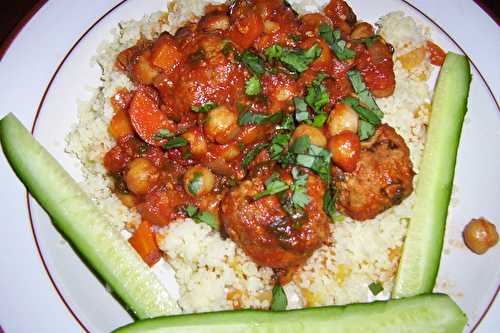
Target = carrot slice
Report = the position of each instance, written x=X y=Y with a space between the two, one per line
x=165 y=54
x=147 y=118
x=144 y=242
x=246 y=29
x=437 y=53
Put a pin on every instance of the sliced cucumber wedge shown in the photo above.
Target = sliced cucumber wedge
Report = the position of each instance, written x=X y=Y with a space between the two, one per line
x=419 y=263
x=83 y=224
x=425 y=313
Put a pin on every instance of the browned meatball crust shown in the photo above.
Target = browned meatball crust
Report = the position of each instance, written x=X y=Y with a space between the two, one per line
x=382 y=179
x=265 y=231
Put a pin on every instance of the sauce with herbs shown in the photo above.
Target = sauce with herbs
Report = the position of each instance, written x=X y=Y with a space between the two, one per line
x=231 y=124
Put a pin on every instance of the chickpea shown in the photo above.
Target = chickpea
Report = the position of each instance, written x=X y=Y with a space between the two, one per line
x=142 y=70
x=214 y=21
x=197 y=142
x=228 y=152
x=198 y=180
x=315 y=134
x=480 y=235
x=141 y=175
x=128 y=200
x=362 y=30
x=342 y=118
x=221 y=125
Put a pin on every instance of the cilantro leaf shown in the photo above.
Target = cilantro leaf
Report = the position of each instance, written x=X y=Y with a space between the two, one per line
x=278 y=145
x=256 y=118
x=376 y=288
x=279 y=301
x=204 y=108
x=163 y=133
x=253 y=86
x=365 y=129
x=253 y=62
x=301 y=113
x=202 y=217
x=274 y=185
x=286 y=124
x=175 y=143
x=329 y=202
x=274 y=52
x=296 y=60
x=317 y=96
x=300 y=145
x=191 y=210
x=319 y=120
x=337 y=44
x=300 y=198
x=207 y=218
x=252 y=154
x=364 y=95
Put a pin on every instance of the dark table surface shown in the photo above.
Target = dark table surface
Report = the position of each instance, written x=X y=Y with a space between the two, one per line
x=11 y=12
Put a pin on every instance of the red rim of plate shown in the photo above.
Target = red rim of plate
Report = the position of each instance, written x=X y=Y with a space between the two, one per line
x=12 y=36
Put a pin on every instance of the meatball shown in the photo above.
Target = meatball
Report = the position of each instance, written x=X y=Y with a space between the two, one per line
x=265 y=231
x=383 y=177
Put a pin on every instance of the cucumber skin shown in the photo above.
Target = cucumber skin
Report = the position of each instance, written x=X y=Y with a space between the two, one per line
x=76 y=216
x=423 y=245
x=424 y=313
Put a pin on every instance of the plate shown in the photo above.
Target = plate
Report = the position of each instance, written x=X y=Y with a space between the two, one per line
x=44 y=285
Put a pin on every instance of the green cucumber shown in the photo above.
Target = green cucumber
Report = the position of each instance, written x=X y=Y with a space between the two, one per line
x=419 y=263
x=78 y=218
x=424 y=313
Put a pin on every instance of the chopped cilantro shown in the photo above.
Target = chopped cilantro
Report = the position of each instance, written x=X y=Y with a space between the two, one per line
x=191 y=210
x=286 y=124
x=301 y=113
x=195 y=184
x=296 y=60
x=279 y=301
x=366 y=114
x=252 y=154
x=274 y=52
x=337 y=44
x=329 y=202
x=319 y=120
x=365 y=129
x=278 y=145
x=253 y=86
x=162 y=133
x=256 y=118
x=300 y=198
x=207 y=218
x=202 y=217
x=175 y=143
x=301 y=145
x=317 y=159
x=364 y=95
x=204 y=108
x=253 y=62
x=376 y=288
x=317 y=95
x=274 y=185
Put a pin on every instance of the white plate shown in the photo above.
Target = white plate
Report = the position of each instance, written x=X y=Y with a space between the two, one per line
x=59 y=294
